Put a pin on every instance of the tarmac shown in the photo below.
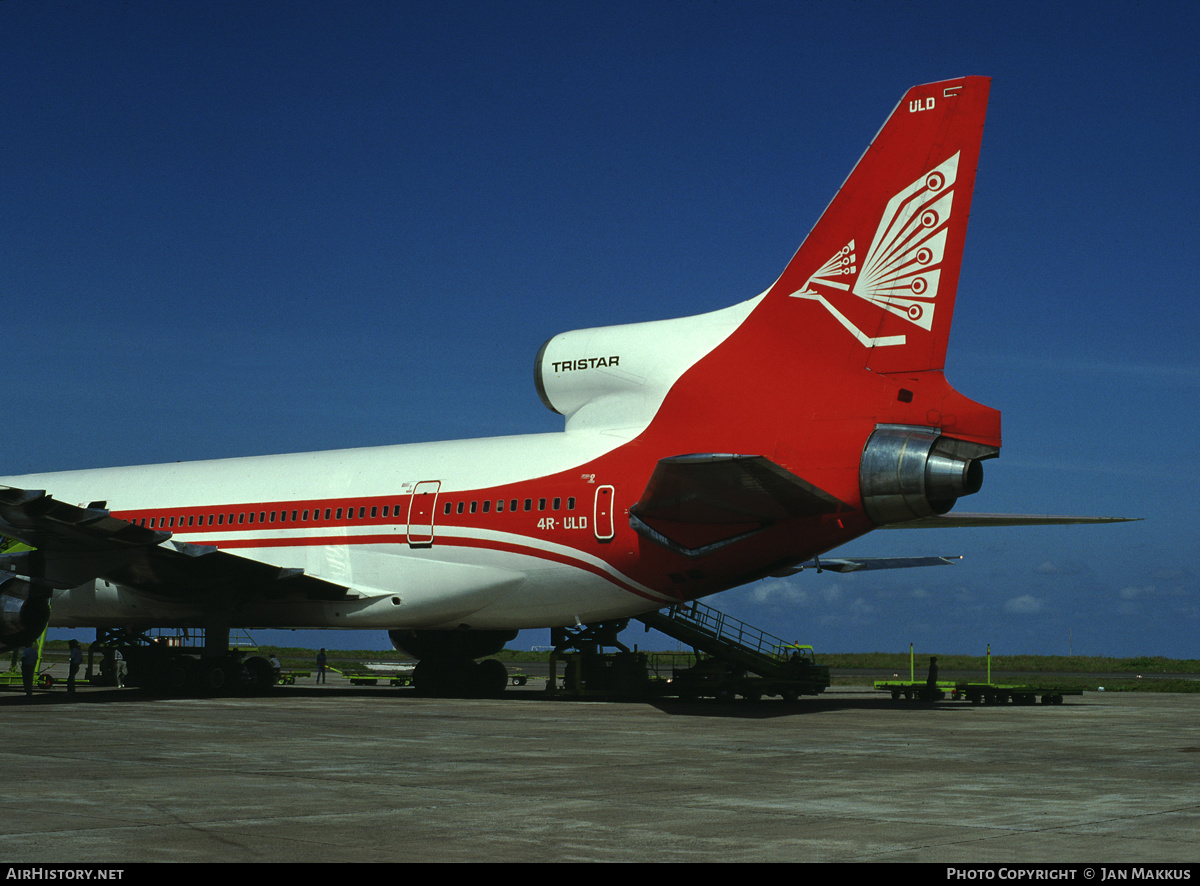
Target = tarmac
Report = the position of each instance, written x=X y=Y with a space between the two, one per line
x=370 y=774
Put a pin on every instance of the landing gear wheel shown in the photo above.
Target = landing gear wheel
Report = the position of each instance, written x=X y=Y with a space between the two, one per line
x=491 y=677
x=425 y=680
x=262 y=675
x=212 y=676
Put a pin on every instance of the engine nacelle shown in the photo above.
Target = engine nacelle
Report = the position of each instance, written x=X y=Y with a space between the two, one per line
x=907 y=473
x=450 y=645
x=24 y=611
x=617 y=376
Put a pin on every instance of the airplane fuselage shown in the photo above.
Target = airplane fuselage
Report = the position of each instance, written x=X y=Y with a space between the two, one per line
x=493 y=533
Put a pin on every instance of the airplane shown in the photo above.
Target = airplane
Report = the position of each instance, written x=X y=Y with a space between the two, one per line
x=697 y=454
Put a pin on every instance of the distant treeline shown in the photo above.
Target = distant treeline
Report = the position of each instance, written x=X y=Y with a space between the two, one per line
x=891 y=662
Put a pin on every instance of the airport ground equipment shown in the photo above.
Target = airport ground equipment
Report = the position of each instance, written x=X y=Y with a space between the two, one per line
x=730 y=658
x=589 y=672
x=794 y=673
x=180 y=660
x=976 y=693
x=985 y=692
x=370 y=673
x=736 y=658
x=13 y=676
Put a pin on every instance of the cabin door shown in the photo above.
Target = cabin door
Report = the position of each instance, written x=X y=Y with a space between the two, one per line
x=602 y=514
x=421 y=508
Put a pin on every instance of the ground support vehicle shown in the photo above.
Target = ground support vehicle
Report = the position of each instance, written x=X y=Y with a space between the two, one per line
x=793 y=672
x=992 y=693
x=729 y=658
x=734 y=658
x=976 y=693
x=370 y=673
x=983 y=692
x=179 y=661
x=595 y=674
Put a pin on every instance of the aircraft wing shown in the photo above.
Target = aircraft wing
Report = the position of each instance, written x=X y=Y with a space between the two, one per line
x=73 y=545
x=695 y=504
x=951 y=521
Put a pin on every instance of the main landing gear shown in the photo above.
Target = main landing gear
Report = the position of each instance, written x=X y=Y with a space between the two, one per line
x=447 y=665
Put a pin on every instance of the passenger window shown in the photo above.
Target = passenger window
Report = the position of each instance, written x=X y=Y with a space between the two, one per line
x=512 y=505
x=529 y=504
x=374 y=511
x=541 y=504
x=487 y=506
x=571 y=503
x=557 y=503
x=499 y=505
x=474 y=506
x=446 y=509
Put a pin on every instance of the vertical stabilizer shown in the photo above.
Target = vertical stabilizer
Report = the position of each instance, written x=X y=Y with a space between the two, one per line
x=879 y=271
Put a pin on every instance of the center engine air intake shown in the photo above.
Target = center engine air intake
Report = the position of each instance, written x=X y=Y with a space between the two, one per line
x=907 y=473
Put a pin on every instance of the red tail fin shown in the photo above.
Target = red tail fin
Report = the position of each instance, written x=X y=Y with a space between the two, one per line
x=880 y=268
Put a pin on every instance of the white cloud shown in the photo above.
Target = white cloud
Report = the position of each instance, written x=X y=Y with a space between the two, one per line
x=1132 y=593
x=1026 y=604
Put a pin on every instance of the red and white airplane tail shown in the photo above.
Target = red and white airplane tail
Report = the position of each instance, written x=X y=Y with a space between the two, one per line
x=881 y=266
x=871 y=290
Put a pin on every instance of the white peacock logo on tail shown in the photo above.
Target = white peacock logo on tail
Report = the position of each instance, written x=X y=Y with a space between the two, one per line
x=902 y=269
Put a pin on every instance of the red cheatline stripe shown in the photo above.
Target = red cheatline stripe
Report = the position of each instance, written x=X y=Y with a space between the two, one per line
x=442 y=540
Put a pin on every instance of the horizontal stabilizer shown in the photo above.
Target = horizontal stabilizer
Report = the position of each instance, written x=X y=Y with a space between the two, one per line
x=955 y=521
x=866 y=564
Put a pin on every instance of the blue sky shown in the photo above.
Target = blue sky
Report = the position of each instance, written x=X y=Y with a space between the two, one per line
x=244 y=228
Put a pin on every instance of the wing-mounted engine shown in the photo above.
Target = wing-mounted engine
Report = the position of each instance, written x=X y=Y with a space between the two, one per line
x=617 y=376
x=907 y=473
x=24 y=611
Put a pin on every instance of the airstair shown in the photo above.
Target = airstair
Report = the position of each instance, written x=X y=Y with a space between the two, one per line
x=731 y=658
x=741 y=659
x=711 y=631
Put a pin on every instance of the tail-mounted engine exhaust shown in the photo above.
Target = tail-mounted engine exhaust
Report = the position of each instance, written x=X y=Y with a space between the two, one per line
x=908 y=473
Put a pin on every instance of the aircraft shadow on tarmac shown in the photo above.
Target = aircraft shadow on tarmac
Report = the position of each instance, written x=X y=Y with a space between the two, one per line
x=738 y=709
